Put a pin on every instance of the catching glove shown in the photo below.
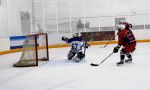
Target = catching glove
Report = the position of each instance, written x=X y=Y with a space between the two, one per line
x=64 y=38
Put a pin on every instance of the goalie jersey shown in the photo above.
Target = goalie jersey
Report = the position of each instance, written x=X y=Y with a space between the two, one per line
x=76 y=44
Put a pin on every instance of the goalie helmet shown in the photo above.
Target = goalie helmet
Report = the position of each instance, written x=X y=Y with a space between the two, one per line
x=76 y=35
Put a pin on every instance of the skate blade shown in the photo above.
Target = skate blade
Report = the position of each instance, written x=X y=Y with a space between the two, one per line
x=119 y=64
x=128 y=61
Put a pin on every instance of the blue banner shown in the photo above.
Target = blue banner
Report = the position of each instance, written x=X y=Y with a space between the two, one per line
x=16 y=41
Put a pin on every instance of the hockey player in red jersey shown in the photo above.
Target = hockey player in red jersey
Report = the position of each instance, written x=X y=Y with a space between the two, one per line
x=127 y=40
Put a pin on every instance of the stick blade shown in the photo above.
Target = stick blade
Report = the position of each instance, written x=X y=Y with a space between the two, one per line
x=92 y=64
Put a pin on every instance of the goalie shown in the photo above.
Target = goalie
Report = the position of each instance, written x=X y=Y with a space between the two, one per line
x=78 y=46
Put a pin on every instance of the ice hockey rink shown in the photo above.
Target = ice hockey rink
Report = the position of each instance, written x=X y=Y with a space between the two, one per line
x=60 y=74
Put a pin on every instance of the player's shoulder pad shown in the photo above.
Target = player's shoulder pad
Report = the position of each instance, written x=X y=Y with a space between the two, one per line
x=74 y=39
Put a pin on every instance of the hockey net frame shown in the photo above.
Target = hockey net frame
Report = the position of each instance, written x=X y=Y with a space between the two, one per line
x=32 y=50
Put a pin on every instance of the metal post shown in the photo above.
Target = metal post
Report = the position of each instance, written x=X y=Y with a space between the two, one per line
x=31 y=20
x=56 y=18
x=70 y=16
x=43 y=15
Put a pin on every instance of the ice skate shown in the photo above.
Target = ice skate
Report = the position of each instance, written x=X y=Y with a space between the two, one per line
x=128 y=60
x=120 y=63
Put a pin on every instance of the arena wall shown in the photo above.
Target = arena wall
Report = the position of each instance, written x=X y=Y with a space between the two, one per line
x=56 y=42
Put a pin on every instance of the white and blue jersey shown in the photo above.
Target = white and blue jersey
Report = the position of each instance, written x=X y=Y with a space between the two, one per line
x=76 y=44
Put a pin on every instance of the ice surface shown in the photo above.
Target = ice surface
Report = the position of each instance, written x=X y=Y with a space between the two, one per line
x=60 y=74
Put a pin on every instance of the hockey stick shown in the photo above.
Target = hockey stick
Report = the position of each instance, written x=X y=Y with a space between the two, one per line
x=84 y=51
x=108 y=42
x=92 y=64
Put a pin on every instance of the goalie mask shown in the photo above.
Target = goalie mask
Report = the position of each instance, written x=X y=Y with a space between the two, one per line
x=76 y=35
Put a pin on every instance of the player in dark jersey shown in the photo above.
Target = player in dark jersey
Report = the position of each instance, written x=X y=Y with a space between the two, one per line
x=127 y=40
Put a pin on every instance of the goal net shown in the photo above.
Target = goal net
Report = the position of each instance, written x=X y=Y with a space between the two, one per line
x=35 y=49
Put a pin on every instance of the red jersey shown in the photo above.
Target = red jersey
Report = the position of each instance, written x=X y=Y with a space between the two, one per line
x=125 y=37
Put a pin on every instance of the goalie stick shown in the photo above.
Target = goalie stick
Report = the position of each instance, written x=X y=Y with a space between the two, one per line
x=108 y=42
x=92 y=64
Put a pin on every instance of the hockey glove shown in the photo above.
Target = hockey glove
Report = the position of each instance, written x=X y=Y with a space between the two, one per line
x=64 y=38
x=116 y=49
x=86 y=46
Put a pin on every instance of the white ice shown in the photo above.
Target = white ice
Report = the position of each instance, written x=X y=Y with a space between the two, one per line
x=60 y=74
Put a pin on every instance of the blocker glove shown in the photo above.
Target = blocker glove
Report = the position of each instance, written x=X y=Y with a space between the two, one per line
x=116 y=49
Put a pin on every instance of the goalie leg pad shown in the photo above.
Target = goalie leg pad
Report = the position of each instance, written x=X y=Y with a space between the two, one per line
x=71 y=55
x=80 y=55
